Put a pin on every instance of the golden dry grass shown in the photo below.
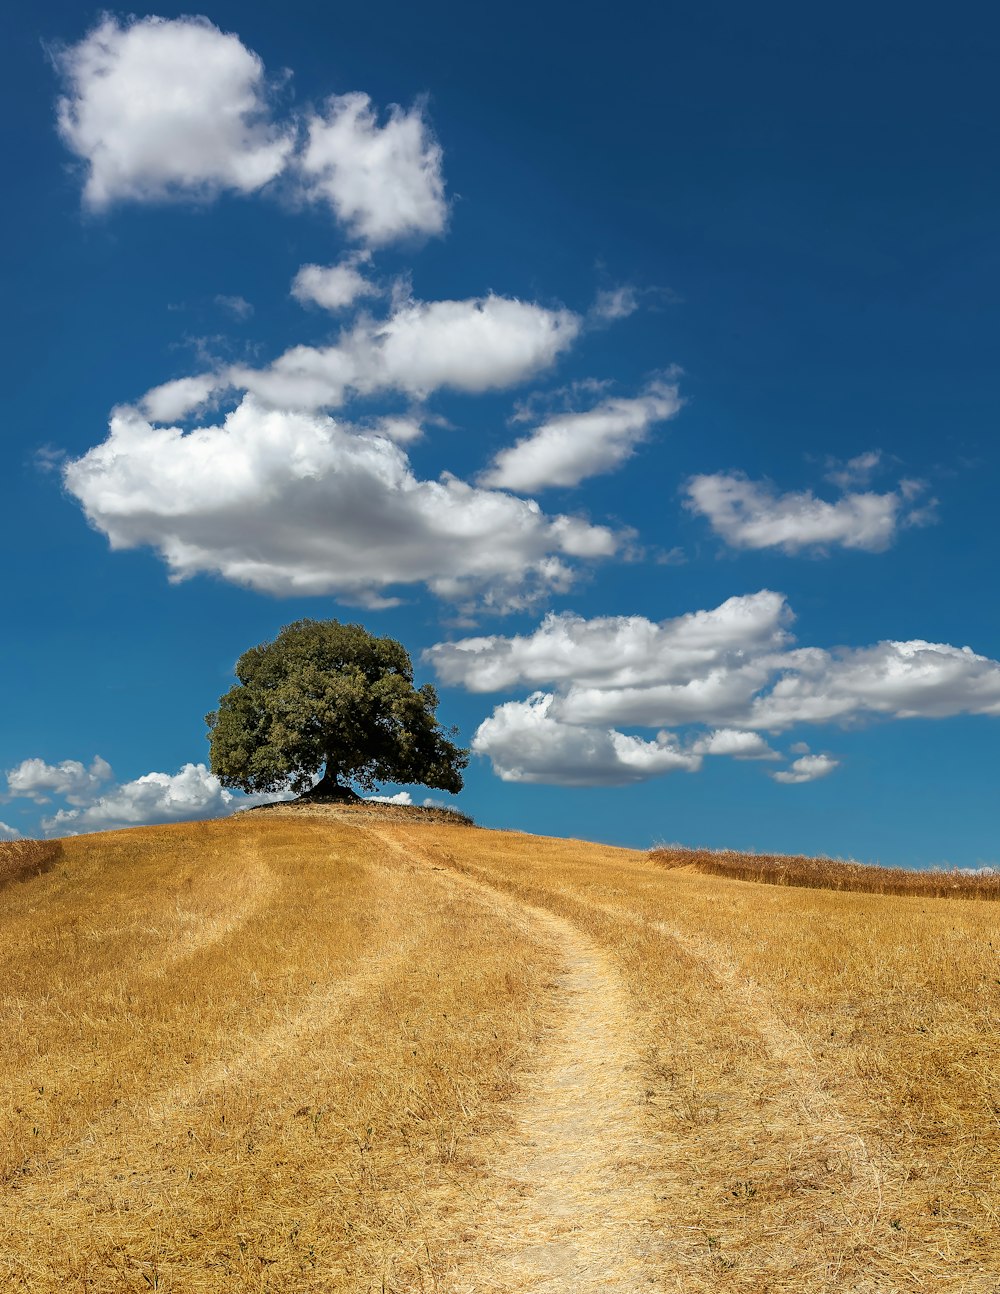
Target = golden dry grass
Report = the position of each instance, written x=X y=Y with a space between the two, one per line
x=357 y=1053
x=831 y=873
x=22 y=859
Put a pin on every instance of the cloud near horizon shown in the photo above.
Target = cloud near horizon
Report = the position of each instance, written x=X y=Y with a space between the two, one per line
x=734 y=669
x=191 y=793
x=33 y=779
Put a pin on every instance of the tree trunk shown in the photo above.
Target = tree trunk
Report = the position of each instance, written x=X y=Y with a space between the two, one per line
x=329 y=789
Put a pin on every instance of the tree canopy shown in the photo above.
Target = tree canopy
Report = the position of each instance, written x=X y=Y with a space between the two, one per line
x=333 y=697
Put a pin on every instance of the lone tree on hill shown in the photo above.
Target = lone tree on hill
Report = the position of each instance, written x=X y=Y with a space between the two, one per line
x=334 y=697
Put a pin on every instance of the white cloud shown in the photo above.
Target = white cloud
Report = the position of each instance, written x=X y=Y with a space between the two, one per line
x=292 y=503
x=735 y=743
x=402 y=428
x=721 y=694
x=33 y=779
x=526 y=743
x=618 y=651
x=160 y=107
x=192 y=793
x=807 y=769
x=383 y=182
x=334 y=287
x=177 y=399
x=902 y=680
x=734 y=670
x=401 y=797
x=569 y=447
x=9 y=833
x=477 y=345
x=752 y=514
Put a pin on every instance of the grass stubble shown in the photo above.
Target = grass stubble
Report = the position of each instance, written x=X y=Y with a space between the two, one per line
x=317 y=1052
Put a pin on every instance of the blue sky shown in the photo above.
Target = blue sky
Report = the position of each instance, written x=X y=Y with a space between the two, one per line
x=638 y=377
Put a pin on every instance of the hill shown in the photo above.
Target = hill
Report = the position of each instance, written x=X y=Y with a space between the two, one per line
x=362 y=1051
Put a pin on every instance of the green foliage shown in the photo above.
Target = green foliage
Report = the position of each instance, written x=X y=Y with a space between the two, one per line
x=325 y=695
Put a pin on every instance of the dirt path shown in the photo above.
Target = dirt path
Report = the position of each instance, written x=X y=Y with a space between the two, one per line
x=567 y=1202
x=575 y=1215
x=583 y=1229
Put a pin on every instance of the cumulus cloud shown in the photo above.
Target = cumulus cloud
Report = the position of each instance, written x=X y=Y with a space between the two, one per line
x=902 y=680
x=476 y=345
x=809 y=768
x=160 y=107
x=752 y=514
x=192 y=793
x=735 y=671
x=292 y=503
x=180 y=397
x=401 y=797
x=33 y=779
x=611 y=652
x=735 y=743
x=402 y=428
x=569 y=447
x=334 y=287
x=9 y=833
x=526 y=743
x=382 y=182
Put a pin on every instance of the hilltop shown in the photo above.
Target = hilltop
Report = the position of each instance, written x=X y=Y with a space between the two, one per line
x=312 y=1049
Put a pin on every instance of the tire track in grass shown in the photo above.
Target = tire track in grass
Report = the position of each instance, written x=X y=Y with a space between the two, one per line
x=567 y=1203
x=311 y=1016
x=853 y=1200
x=825 y=1132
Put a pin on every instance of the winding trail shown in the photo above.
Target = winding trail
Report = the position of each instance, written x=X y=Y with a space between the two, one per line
x=571 y=1201
x=573 y=1216
x=576 y=1188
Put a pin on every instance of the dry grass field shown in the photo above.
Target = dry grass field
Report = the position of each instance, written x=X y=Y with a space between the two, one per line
x=832 y=874
x=359 y=1051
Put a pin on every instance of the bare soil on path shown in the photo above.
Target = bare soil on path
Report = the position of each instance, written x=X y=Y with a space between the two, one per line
x=572 y=1199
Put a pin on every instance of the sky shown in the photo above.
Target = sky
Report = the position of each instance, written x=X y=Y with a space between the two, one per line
x=636 y=371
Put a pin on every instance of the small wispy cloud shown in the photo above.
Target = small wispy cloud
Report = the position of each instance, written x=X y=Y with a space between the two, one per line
x=239 y=307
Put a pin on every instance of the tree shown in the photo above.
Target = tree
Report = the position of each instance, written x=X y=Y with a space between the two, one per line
x=330 y=696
